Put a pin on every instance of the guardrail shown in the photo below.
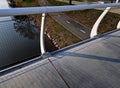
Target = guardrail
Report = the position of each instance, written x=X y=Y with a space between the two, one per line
x=42 y=45
x=94 y=30
x=49 y=9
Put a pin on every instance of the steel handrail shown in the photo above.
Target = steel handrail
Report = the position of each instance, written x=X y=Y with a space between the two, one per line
x=48 y=9
x=42 y=45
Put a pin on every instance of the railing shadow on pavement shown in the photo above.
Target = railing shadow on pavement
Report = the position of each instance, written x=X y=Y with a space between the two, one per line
x=86 y=56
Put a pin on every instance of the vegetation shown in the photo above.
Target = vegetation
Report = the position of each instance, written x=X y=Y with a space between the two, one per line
x=59 y=34
x=30 y=3
x=26 y=3
x=86 y=0
x=57 y=3
x=89 y=17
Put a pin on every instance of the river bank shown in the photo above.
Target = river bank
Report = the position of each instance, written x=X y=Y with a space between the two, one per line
x=59 y=35
x=49 y=45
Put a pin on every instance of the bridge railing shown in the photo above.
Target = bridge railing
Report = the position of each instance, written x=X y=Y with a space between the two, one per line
x=94 y=30
x=49 y=9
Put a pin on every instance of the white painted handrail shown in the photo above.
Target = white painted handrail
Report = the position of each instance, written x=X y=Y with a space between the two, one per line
x=42 y=46
x=97 y=23
x=118 y=25
x=48 y=9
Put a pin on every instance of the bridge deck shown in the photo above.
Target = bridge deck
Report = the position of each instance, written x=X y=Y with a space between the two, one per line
x=91 y=64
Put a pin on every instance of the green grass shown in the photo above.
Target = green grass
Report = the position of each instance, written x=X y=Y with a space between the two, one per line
x=84 y=0
x=26 y=3
x=66 y=34
x=57 y=3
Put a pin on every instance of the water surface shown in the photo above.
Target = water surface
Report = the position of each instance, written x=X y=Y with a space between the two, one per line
x=19 y=39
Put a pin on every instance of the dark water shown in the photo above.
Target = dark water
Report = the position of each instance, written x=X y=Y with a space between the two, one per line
x=19 y=41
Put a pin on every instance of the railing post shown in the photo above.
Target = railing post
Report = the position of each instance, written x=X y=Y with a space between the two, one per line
x=42 y=46
x=97 y=23
x=118 y=25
